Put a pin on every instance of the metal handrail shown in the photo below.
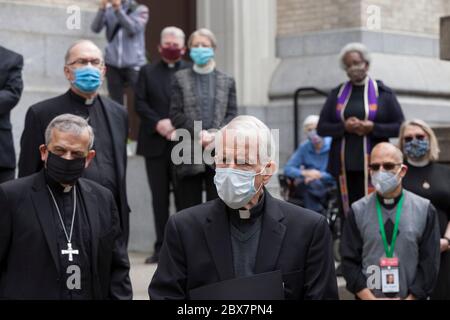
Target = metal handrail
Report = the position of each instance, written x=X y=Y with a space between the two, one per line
x=296 y=95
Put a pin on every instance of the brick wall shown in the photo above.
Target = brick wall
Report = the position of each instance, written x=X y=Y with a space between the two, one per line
x=296 y=17
x=416 y=16
x=301 y=16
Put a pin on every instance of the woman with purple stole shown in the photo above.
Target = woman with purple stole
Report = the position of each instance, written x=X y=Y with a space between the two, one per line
x=358 y=114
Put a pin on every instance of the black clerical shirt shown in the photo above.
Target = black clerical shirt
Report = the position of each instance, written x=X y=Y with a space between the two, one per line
x=390 y=223
x=102 y=169
x=354 y=150
x=75 y=276
x=245 y=237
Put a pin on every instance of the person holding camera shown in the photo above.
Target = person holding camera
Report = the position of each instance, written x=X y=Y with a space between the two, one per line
x=125 y=22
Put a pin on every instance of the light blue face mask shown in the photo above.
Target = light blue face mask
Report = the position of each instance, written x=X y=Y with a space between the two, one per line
x=385 y=181
x=87 y=79
x=201 y=55
x=236 y=187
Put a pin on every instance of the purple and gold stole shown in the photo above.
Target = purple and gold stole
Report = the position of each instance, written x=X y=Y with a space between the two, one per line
x=370 y=107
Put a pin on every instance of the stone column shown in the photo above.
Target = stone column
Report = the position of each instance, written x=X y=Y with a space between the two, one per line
x=245 y=32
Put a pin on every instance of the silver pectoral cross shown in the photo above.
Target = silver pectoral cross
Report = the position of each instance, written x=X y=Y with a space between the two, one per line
x=69 y=251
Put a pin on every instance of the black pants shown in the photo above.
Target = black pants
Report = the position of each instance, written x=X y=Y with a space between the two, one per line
x=355 y=185
x=118 y=80
x=7 y=174
x=124 y=223
x=159 y=174
x=190 y=189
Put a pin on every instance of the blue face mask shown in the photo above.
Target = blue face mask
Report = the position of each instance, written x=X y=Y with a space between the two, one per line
x=416 y=149
x=236 y=187
x=87 y=79
x=201 y=55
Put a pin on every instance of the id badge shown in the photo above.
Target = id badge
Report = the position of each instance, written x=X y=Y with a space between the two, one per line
x=390 y=282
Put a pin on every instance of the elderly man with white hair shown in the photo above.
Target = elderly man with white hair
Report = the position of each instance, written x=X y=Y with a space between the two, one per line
x=308 y=167
x=246 y=233
x=152 y=105
x=358 y=114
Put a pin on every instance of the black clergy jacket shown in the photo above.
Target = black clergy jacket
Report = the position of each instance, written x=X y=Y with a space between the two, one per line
x=11 y=86
x=41 y=114
x=29 y=265
x=153 y=92
x=197 y=251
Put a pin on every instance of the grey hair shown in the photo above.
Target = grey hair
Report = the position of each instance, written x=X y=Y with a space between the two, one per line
x=354 y=47
x=73 y=45
x=311 y=119
x=433 y=153
x=173 y=31
x=69 y=123
x=205 y=33
x=253 y=129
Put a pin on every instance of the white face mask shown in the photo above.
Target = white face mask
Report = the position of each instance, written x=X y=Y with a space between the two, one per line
x=236 y=187
x=385 y=182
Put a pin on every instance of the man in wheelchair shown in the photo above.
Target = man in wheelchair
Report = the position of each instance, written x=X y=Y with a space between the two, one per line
x=306 y=181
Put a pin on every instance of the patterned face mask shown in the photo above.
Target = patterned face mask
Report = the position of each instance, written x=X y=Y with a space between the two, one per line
x=416 y=149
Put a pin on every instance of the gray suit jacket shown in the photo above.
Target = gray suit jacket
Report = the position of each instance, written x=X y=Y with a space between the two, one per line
x=185 y=108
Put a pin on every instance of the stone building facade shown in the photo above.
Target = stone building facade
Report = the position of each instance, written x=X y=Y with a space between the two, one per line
x=271 y=47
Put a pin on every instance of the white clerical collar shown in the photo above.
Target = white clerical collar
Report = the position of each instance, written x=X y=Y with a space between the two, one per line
x=67 y=189
x=81 y=99
x=206 y=69
x=89 y=102
x=388 y=201
x=421 y=163
x=244 y=214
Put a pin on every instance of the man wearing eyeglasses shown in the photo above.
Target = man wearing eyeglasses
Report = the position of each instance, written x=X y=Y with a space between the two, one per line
x=84 y=70
x=390 y=232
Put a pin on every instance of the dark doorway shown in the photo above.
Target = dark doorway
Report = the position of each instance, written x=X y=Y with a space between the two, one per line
x=163 y=13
